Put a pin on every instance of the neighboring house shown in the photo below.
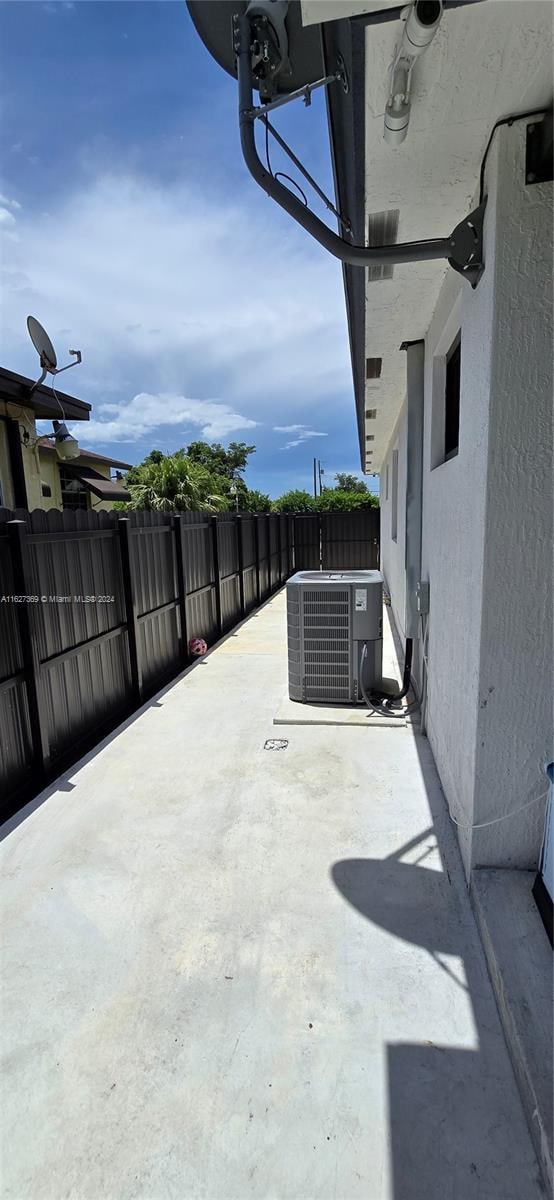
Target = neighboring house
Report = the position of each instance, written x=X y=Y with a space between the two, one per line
x=83 y=482
x=31 y=473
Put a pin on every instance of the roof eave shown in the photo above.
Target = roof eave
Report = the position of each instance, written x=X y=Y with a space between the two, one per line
x=346 y=118
x=16 y=389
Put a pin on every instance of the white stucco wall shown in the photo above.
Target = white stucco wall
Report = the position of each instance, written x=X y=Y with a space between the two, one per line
x=515 y=726
x=487 y=523
x=453 y=538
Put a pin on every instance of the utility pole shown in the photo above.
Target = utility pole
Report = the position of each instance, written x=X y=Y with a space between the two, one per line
x=315 y=478
x=320 y=473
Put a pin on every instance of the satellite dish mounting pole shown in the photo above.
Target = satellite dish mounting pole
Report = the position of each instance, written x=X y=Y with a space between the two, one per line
x=463 y=249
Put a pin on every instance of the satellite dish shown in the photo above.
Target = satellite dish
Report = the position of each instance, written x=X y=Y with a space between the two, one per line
x=213 y=22
x=42 y=344
x=46 y=352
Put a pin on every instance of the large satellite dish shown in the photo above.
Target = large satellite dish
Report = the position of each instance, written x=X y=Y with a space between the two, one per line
x=213 y=20
x=46 y=352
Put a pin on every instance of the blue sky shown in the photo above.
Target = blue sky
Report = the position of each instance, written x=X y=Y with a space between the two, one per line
x=132 y=230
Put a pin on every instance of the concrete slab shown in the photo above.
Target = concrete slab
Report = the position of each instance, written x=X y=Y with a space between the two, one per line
x=291 y=712
x=235 y=974
x=519 y=957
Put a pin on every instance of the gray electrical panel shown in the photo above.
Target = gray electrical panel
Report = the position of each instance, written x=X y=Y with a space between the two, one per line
x=330 y=615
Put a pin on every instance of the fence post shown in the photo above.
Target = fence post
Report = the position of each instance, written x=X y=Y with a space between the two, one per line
x=240 y=557
x=17 y=532
x=181 y=585
x=130 y=607
x=217 y=576
x=257 y=549
x=280 y=547
x=268 y=540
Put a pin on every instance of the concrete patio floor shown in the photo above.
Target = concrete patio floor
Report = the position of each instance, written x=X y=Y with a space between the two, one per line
x=232 y=973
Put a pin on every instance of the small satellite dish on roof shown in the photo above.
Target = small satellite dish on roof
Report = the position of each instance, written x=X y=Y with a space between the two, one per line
x=42 y=344
x=46 y=352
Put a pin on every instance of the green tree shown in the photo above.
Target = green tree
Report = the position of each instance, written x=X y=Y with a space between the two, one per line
x=250 y=500
x=175 y=483
x=294 y=502
x=230 y=463
x=341 y=500
x=349 y=483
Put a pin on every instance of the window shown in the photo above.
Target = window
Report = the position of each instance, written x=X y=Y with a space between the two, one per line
x=452 y=400
x=74 y=495
x=387 y=482
x=373 y=368
x=394 y=513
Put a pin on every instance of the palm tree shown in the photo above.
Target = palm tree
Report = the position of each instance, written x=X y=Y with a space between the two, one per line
x=175 y=484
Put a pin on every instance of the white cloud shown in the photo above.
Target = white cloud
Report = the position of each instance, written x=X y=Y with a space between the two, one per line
x=6 y=217
x=145 y=413
x=7 y=203
x=124 y=257
x=303 y=434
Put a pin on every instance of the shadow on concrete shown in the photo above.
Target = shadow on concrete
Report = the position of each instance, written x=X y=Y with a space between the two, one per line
x=457 y=1128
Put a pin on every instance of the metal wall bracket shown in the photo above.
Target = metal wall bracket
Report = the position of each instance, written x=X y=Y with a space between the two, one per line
x=538 y=151
x=466 y=243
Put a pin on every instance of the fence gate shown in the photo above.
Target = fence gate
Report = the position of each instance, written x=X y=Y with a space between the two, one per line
x=350 y=541
x=337 y=541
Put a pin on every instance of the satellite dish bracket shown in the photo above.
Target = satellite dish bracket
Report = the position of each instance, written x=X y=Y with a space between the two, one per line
x=463 y=249
x=50 y=370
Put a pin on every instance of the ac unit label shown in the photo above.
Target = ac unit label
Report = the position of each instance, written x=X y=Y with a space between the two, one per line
x=361 y=600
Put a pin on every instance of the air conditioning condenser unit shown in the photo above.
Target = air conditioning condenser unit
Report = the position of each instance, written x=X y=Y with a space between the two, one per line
x=331 y=615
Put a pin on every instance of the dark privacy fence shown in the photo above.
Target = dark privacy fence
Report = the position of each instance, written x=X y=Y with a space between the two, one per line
x=97 y=610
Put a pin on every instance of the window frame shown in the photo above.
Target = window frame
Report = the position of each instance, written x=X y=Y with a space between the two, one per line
x=394 y=497
x=452 y=384
x=81 y=493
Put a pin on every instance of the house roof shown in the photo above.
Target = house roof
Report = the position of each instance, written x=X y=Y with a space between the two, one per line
x=15 y=389
x=47 y=444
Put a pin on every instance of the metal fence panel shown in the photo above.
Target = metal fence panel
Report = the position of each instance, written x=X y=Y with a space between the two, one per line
x=83 y=691
x=117 y=600
x=307 y=543
x=350 y=541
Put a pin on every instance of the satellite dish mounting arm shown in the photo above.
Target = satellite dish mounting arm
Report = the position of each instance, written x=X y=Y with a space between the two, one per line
x=463 y=249
x=51 y=370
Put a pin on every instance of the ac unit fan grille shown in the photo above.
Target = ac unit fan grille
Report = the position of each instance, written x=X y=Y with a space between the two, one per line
x=326 y=616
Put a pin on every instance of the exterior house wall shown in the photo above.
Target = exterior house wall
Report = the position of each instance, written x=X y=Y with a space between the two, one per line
x=454 y=538
x=50 y=474
x=515 y=685
x=5 y=469
x=26 y=418
x=487 y=524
